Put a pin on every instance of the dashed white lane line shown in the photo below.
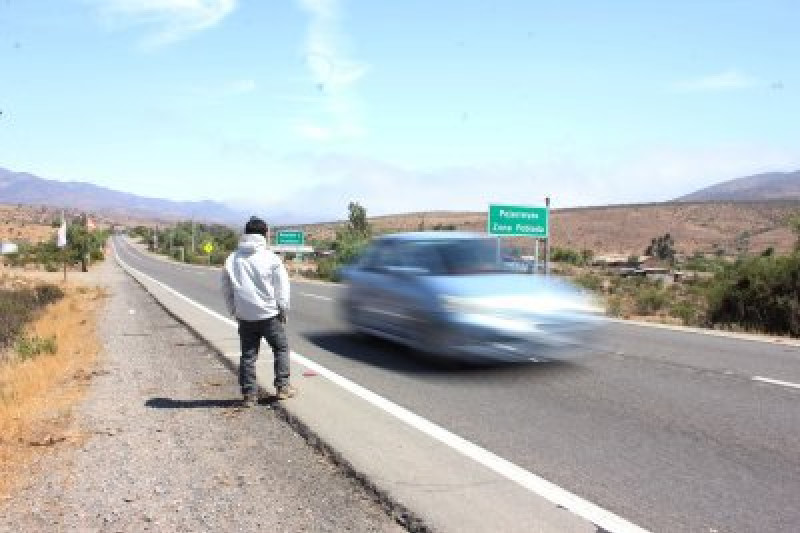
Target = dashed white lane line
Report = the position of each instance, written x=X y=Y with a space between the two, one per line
x=776 y=382
x=317 y=296
x=503 y=467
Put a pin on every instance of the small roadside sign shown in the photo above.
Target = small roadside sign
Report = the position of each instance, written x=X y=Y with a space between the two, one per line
x=295 y=238
x=208 y=247
x=518 y=221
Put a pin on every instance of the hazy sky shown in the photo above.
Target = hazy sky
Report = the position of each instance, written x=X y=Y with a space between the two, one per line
x=299 y=106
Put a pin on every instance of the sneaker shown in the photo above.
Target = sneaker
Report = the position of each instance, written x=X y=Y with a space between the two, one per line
x=250 y=400
x=286 y=392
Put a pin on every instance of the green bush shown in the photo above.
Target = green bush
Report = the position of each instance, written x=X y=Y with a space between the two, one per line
x=18 y=307
x=566 y=255
x=590 y=281
x=614 y=306
x=328 y=269
x=30 y=347
x=685 y=311
x=649 y=300
x=759 y=293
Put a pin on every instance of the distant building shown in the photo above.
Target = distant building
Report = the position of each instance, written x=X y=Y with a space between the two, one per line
x=7 y=248
x=619 y=260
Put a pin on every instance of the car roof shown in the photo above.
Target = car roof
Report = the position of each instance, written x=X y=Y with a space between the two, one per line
x=434 y=235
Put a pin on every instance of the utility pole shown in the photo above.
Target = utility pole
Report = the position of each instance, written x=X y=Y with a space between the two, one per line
x=547 y=240
x=192 y=234
x=85 y=257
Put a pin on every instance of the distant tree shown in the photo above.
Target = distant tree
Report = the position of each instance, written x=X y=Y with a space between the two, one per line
x=357 y=219
x=742 y=242
x=662 y=248
x=769 y=252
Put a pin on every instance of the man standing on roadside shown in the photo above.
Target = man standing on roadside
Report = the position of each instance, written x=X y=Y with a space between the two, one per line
x=256 y=290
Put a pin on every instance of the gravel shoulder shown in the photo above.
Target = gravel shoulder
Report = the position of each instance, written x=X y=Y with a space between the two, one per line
x=166 y=447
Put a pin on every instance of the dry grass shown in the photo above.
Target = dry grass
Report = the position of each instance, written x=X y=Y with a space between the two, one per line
x=37 y=394
x=21 y=231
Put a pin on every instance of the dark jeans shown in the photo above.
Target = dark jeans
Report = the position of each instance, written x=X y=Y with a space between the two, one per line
x=250 y=335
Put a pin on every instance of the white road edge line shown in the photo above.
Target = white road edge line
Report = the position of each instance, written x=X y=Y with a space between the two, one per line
x=778 y=341
x=776 y=382
x=319 y=297
x=550 y=491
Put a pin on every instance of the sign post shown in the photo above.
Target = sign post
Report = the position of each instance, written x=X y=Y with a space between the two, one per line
x=522 y=221
x=208 y=247
x=547 y=241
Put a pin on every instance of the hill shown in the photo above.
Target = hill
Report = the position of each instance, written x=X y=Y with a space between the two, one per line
x=27 y=189
x=627 y=229
x=769 y=186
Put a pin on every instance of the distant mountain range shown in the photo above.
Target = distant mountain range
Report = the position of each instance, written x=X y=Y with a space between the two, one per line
x=768 y=186
x=24 y=188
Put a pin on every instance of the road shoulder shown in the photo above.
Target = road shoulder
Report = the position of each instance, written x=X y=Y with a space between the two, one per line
x=168 y=449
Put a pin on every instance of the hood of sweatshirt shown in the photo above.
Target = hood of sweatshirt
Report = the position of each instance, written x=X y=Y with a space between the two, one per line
x=250 y=244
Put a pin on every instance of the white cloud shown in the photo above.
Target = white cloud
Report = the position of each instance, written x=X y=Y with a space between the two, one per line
x=170 y=20
x=334 y=73
x=723 y=81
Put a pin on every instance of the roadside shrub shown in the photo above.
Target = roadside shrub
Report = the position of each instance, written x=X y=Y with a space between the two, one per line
x=30 y=347
x=685 y=311
x=614 y=306
x=218 y=256
x=760 y=293
x=47 y=294
x=649 y=300
x=570 y=256
x=590 y=281
x=328 y=269
x=19 y=306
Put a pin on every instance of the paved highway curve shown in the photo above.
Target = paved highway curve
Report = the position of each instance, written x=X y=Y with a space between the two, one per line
x=667 y=429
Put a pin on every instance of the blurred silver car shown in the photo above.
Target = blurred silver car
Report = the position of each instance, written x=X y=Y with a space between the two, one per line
x=449 y=294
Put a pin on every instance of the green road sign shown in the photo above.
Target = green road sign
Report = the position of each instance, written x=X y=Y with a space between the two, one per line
x=519 y=221
x=208 y=247
x=290 y=237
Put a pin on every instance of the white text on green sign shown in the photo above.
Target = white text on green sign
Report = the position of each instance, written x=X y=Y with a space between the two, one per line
x=290 y=237
x=518 y=221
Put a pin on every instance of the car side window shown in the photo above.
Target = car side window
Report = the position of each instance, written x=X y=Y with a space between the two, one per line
x=392 y=255
x=381 y=255
x=423 y=256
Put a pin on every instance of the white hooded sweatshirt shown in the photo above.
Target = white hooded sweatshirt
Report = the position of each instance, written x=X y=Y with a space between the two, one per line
x=254 y=281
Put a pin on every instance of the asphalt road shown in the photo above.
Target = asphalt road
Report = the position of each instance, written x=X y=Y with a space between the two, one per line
x=667 y=429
